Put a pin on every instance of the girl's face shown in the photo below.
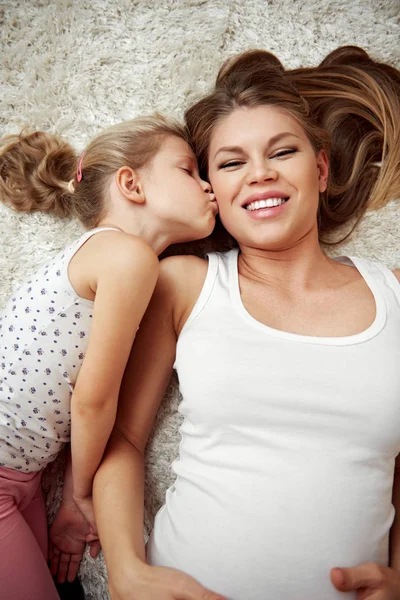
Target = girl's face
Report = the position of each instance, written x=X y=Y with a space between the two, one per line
x=266 y=178
x=178 y=198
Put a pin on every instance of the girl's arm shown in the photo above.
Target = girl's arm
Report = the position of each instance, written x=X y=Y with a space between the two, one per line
x=118 y=486
x=124 y=272
x=69 y=533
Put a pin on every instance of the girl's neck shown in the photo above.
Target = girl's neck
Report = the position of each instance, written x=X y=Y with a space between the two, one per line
x=157 y=240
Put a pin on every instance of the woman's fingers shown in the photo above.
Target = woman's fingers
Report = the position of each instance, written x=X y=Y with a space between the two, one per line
x=188 y=588
x=159 y=583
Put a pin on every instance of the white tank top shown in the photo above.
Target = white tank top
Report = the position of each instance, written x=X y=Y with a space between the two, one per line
x=288 y=446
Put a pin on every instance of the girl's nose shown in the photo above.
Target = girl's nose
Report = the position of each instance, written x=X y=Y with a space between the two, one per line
x=206 y=186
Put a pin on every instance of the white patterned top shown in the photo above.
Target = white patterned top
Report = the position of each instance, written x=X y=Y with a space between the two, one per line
x=44 y=332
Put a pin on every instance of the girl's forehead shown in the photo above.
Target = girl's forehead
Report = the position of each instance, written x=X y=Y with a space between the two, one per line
x=176 y=146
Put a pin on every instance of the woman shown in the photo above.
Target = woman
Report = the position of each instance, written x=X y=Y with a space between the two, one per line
x=287 y=360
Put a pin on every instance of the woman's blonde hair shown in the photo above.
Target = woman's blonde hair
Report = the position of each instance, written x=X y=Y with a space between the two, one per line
x=39 y=171
x=349 y=106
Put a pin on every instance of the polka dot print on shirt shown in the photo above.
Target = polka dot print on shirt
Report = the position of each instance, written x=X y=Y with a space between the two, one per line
x=44 y=333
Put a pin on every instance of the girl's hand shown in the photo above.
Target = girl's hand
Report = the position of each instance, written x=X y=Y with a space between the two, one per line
x=370 y=580
x=68 y=536
x=159 y=583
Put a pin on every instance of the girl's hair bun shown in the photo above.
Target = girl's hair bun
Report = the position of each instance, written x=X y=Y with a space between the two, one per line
x=35 y=168
x=247 y=65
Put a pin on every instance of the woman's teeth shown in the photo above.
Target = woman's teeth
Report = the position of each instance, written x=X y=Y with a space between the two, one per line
x=266 y=203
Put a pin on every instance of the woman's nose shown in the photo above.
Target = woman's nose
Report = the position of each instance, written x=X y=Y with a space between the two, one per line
x=261 y=172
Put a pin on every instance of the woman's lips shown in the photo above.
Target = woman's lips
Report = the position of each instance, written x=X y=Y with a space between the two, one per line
x=266 y=213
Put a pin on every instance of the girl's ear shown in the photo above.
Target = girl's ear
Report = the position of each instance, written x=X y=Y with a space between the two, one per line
x=323 y=170
x=129 y=184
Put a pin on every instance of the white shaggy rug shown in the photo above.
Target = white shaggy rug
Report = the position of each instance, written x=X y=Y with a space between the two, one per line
x=76 y=66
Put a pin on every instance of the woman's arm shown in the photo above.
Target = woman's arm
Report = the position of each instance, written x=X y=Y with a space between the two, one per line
x=370 y=579
x=118 y=485
x=124 y=278
x=395 y=529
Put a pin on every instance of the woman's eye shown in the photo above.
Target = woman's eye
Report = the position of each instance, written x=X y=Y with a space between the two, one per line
x=285 y=152
x=232 y=163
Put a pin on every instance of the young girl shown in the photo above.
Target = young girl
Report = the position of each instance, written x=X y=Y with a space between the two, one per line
x=288 y=361
x=66 y=333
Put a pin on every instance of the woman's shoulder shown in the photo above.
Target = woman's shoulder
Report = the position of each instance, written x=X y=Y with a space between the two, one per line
x=370 y=265
x=182 y=272
x=178 y=264
x=180 y=283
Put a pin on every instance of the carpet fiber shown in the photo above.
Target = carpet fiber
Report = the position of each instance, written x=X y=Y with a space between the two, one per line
x=74 y=67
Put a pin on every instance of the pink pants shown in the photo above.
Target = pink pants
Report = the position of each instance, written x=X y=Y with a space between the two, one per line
x=24 y=574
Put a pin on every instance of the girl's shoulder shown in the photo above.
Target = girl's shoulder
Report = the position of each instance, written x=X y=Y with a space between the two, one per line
x=114 y=258
x=115 y=251
x=115 y=246
x=396 y=272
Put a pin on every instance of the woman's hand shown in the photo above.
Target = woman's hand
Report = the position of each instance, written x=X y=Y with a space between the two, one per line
x=68 y=536
x=159 y=583
x=370 y=580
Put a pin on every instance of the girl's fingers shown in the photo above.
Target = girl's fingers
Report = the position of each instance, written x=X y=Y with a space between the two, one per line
x=54 y=557
x=63 y=567
x=74 y=562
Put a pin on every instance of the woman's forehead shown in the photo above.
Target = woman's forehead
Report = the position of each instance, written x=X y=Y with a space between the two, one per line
x=247 y=123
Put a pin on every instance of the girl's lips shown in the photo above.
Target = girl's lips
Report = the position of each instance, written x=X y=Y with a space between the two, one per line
x=266 y=213
x=214 y=207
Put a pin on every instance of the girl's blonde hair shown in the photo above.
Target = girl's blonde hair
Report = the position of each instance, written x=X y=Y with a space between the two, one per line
x=38 y=170
x=349 y=106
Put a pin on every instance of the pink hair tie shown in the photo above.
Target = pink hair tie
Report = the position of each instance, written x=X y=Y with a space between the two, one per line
x=79 y=169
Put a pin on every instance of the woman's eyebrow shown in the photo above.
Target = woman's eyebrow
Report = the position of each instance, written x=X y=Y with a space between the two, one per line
x=276 y=138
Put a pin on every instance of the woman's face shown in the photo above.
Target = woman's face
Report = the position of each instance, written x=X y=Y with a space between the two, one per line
x=266 y=178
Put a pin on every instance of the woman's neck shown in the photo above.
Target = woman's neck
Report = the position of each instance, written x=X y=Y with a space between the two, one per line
x=301 y=266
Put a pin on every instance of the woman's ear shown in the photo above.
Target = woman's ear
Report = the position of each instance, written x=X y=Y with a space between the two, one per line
x=129 y=184
x=323 y=170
